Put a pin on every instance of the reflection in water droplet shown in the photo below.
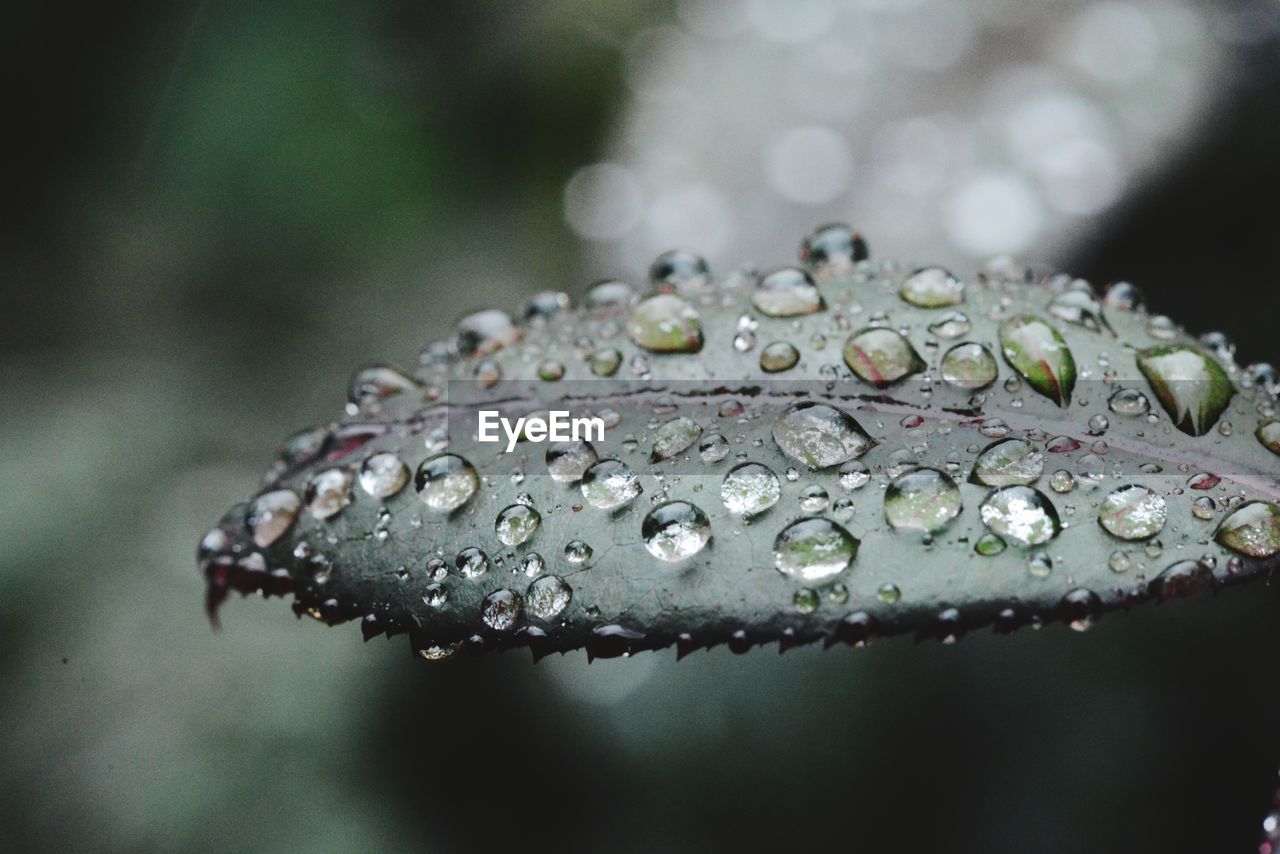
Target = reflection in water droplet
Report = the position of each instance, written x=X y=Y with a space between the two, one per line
x=806 y=600
x=932 y=287
x=435 y=595
x=953 y=324
x=665 y=324
x=377 y=382
x=1039 y=354
x=1080 y=608
x=501 y=610
x=749 y=489
x=576 y=551
x=1132 y=513
x=515 y=524
x=605 y=363
x=545 y=305
x=1191 y=387
x=568 y=461
x=833 y=249
x=1021 y=514
x=609 y=484
x=922 y=500
x=787 y=292
x=714 y=448
x=819 y=435
x=328 y=492
x=778 y=356
x=989 y=545
x=1252 y=529
x=445 y=482
x=1182 y=579
x=547 y=597
x=813 y=548
x=1268 y=434
x=680 y=270
x=485 y=333
x=610 y=295
x=1129 y=401
x=969 y=366
x=271 y=514
x=813 y=499
x=1008 y=462
x=854 y=475
x=383 y=475
x=881 y=356
x=888 y=593
x=675 y=531
x=674 y=437
x=471 y=562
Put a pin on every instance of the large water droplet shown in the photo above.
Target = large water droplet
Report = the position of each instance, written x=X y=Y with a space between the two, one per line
x=675 y=531
x=1021 y=515
x=1182 y=579
x=1191 y=387
x=1253 y=529
x=471 y=562
x=610 y=295
x=545 y=305
x=501 y=610
x=1123 y=295
x=328 y=492
x=1008 y=462
x=833 y=249
x=968 y=366
x=932 y=287
x=383 y=475
x=609 y=484
x=445 y=482
x=787 y=292
x=1129 y=401
x=568 y=461
x=485 y=333
x=515 y=524
x=674 y=437
x=271 y=514
x=922 y=500
x=680 y=270
x=547 y=597
x=749 y=489
x=1080 y=306
x=1039 y=354
x=1133 y=513
x=778 y=356
x=813 y=548
x=881 y=356
x=819 y=435
x=665 y=324
x=377 y=382
x=1268 y=434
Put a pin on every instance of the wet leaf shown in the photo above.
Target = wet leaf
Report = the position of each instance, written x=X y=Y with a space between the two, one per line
x=867 y=490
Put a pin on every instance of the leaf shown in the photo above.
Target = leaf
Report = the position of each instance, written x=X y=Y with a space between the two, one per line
x=1040 y=355
x=720 y=503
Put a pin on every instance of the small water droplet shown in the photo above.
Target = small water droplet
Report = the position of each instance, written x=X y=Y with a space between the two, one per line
x=1008 y=462
x=576 y=551
x=548 y=596
x=516 y=524
x=953 y=324
x=813 y=548
x=471 y=562
x=1020 y=514
x=665 y=324
x=383 y=475
x=749 y=489
x=778 y=356
x=969 y=366
x=609 y=484
x=271 y=514
x=932 y=287
x=328 y=492
x=787 y=292
x=680 y=270
x=1252 y=529
x=445 y=482
x=501 y=610
x=922 y=500
x=675 y=531
x=881 y=356
x=833 y=249
x=1133 y=513
x=568 y=461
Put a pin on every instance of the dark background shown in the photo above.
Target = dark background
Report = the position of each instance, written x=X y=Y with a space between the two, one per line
x=212 y=215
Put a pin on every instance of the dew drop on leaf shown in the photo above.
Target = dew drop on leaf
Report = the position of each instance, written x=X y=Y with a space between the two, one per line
x=665 y=324
x=501 y=610
x=681 y=271
x=924 y=499
x=749 y=489
x=833 y=249
x=881 y=356
x=813 y=549
x=1021 y=515
x=1039 y=354
x=383 y=475
x=675 y=531
x=471 y=562
x=819 y=435
x=968 y=366
x=674 y=437
x=547 y=597
x=609 y=484
x=953 y=324
x=1008 y=462
x=1252 y=529
x=932 y=287
x=445 y=482
x=568 y=461
x=1191 y=387
x=516 y=524
x=328 y=492
x=1133 y=513
x=485 y=333
x=787 y=292
x=778 y=356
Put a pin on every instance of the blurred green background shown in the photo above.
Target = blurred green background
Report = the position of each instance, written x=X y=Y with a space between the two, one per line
x=215 y=213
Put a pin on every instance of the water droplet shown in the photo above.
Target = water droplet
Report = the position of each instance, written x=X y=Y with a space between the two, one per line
x=1078 y=305
x=1021 y=514
x=1268 y=434
x=854 y=475
x=471 y=562
x=953 y=324
x=1132 y=513
x=665 y=324
x=328 y=492
x=485 y=333
x=1252 y=529
x=969 y=366
x=383 y=475
x=674 y=437
x=833 y=249
x=787 y=292
x=1039 y=564
x=501 y=610
x=749 y=489
x=813 y=548
x=1129 y=401
x=806 y=600
x=568 y=461
x=1119 y=561
x=550 y=370
x=377 y=382
x=271 y=514
x=1204 y=508
x=813 y=499
x=680 y=270
x=1182 y=579
x=1098 y=425
x=435 y=595
x=675 y=531
x=922 y=500
x=576 y=551
x=545 y=305
x=714 y=448
x=1080 y=608
x=547 y=597
x=778 y=356
x=609 y=484
x=1191 y=387
x=445 y=482
x=819 y=435
x=516 y=524
x=1039 y=354
x=989 y=545
x=932 y=287
x=532 y=565
x=881 y=356
x=1123 y=295
x=1008 y=462
x=605 y=363
x=888 y=593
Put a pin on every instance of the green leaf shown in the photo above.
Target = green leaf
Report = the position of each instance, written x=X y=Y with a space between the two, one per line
x=1040 y=355
x=728 y=504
